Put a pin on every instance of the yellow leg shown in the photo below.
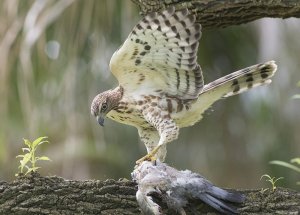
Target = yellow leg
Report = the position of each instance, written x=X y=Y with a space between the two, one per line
x=150 y=156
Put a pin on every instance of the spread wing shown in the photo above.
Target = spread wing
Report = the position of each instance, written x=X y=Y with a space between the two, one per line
x=160 y=55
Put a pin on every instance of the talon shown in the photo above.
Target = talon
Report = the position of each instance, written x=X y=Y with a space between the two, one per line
x=148 y=157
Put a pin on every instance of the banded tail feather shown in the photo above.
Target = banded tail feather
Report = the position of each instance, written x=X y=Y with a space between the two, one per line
x=233 y=84
x=243 y=80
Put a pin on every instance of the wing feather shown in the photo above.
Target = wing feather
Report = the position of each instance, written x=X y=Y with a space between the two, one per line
x=161 y=54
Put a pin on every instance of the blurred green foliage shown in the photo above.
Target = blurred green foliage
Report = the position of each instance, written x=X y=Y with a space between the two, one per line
x=293 y=165
x=54 y=58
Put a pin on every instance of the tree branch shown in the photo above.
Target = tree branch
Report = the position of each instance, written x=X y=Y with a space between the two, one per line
x=223 y=13
x=35 y=194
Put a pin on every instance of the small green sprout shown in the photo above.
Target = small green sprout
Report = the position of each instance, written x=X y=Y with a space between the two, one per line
x=271 y=180
x=263 y=190
x=29 y=157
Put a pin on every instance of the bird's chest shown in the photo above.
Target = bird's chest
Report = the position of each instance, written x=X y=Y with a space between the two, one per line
x=131 y=111
x=128 y=113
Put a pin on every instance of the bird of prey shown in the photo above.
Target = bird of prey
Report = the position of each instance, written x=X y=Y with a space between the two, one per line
x=161 y=87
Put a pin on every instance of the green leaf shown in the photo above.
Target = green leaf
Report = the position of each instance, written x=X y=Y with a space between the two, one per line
x=21 y=167
x=27 y=167
x=43 y=158
x=34 y=168
x=280 y=178
x=27 y=143
x=25 y=149
x=298 y=84
x=296 y=160
x=265 y=175
x=26 y=158
x=39 y=141
x=24 y=161
x=285 y=164
x=31 y=170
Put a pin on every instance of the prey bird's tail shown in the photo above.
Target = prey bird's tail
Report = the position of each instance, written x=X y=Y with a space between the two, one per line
x=242 y=80
x=222 y=200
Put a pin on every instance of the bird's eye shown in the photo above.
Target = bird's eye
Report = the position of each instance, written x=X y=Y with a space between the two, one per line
x=103 y=107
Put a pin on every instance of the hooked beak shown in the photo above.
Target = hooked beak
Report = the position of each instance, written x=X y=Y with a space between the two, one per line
x=100 y=120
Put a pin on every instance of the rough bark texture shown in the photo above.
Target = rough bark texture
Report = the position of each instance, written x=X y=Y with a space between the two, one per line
x=34 y=194
x=223 y=13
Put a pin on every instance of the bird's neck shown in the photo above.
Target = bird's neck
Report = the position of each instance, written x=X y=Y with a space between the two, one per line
x=117 y=94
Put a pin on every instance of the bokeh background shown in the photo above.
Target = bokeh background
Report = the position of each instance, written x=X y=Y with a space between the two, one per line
x=54 y=58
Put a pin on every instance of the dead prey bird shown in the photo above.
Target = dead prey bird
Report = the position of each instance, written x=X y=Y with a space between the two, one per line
x=177 y=188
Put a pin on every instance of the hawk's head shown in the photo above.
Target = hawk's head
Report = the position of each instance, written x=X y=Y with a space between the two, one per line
x=105 y=102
